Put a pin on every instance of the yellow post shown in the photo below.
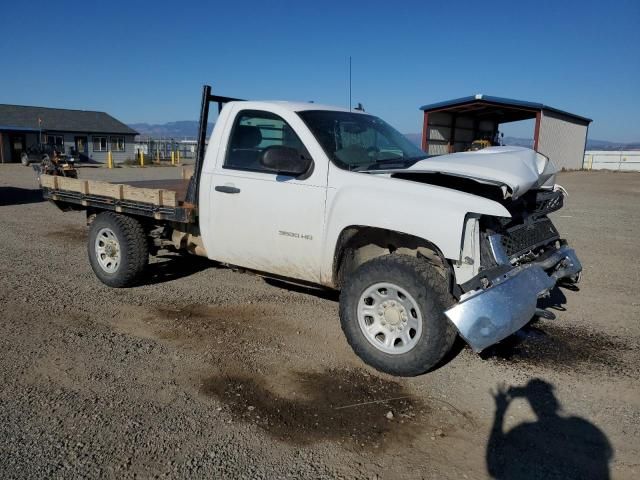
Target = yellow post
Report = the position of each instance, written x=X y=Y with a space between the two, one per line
x=178 y=157
x=141 y=155
x=173 y=157
x=109 y=159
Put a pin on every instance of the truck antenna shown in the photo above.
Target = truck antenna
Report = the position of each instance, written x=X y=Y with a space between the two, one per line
x=349 y=82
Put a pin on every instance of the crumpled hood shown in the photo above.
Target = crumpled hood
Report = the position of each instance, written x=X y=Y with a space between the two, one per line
x=515 y=169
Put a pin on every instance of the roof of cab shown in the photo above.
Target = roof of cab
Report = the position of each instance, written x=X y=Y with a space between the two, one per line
x=295 y=106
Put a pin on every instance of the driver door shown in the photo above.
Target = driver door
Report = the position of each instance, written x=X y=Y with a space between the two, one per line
x=262 y=220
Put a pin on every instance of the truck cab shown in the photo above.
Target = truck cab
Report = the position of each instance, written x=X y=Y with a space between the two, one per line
x=291 y=221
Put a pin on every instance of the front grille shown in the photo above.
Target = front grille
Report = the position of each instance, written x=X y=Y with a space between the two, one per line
x=525 y=237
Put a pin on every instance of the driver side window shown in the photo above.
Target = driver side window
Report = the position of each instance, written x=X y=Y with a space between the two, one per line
x=254 y=132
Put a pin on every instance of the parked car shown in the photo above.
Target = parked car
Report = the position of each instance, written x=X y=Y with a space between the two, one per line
x=42 y=151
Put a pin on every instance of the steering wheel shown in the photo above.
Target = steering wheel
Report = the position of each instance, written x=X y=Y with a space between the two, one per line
x=372 y=152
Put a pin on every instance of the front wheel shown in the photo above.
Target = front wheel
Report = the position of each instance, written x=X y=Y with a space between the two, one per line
x=392 y=313
x=118 y=249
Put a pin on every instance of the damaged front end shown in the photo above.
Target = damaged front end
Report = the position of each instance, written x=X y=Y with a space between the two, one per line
x=521 y=259
x=504 y=303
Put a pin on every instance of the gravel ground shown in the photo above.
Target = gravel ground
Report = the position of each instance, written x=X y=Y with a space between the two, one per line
x=208 y=372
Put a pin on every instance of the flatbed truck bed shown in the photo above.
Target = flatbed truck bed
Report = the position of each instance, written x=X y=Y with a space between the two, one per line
x=157 y=199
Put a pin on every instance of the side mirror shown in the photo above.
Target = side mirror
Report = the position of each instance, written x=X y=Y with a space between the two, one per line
x=285 y=160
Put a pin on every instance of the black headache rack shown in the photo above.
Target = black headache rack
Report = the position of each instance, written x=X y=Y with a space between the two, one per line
x=207 y=98
x=68 y=200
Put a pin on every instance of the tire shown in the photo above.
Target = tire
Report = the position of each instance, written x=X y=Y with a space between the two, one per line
x=416 y=298
x=24 y=159
x=118 y=249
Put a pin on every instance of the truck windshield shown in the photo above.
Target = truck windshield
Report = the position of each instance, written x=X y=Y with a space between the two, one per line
x=355 y=141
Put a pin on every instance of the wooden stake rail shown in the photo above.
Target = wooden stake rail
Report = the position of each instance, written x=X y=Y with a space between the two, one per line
x=158 y=203
x=160 y=197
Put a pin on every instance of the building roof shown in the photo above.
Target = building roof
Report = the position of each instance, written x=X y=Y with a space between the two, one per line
x=19 y=117
x=490 y=107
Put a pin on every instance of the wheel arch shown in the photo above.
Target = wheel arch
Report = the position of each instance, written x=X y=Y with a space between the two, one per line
x=358 y=244
x=147 y=223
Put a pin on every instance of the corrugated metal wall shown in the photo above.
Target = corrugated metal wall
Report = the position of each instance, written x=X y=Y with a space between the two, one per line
x=438 y=132
x=562 y=139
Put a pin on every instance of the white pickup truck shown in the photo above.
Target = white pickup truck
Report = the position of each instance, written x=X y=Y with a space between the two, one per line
x=421 y=248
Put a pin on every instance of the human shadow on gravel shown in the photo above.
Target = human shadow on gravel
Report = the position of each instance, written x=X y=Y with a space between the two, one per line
x=173 y=267
x=554 y=446
x=19 y=196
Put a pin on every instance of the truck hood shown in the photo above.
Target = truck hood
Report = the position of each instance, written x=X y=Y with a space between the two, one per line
x=515 y=170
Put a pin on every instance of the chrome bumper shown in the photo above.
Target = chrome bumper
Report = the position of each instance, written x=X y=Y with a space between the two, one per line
x=486 y=316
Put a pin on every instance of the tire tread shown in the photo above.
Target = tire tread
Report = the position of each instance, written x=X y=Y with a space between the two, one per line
x=135 y=249
x=443 y=337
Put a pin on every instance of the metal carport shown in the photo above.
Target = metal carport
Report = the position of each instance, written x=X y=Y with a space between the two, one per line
x=452 y=125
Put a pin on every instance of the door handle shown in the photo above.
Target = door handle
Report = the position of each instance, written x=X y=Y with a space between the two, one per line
x=227 y=189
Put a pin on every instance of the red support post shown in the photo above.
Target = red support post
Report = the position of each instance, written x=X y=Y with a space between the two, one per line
x=536 y=132
x=425 y=133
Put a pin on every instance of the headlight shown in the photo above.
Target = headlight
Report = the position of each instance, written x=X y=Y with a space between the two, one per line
x=541 y=162
x=545 y=165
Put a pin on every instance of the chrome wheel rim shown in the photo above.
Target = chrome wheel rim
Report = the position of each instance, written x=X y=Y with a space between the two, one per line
x=389 y=318
x=107 y=250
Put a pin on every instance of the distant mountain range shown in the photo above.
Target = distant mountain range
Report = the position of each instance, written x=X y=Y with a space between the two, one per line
x=591 y=144
x=188 y=129
x=606 y=145
x=176 y=130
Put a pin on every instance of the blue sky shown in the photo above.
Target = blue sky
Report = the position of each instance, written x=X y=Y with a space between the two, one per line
x=146 y=61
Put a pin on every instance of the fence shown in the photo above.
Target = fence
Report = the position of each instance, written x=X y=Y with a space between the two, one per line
x=162 y=148
x=612 y=160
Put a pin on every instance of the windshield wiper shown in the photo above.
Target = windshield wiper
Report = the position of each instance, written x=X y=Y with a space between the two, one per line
x=389 y=163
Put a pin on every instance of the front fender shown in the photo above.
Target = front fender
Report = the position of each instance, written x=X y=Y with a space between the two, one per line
x=433 y=213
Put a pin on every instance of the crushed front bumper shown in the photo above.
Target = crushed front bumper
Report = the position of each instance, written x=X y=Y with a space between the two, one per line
x=487 y=315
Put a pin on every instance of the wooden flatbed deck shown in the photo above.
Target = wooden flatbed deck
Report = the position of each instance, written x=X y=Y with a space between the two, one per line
x=179 y=186
x=160 y=199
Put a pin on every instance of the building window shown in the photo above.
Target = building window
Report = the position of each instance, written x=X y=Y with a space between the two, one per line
x=99 y=144
x=117 y=144
x=57 y=140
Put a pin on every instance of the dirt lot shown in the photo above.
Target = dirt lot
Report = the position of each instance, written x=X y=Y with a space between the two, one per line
x=207 y=372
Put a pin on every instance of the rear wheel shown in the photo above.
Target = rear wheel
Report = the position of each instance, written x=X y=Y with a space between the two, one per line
x=118 y=249
x=392 y=313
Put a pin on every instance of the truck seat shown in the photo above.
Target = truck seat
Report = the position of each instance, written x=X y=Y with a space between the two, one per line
x=244 y=151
